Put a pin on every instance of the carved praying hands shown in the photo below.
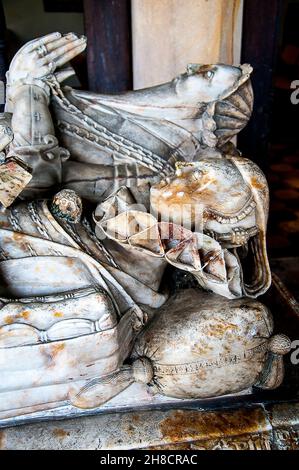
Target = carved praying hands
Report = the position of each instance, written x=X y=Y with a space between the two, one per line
x=40 y=58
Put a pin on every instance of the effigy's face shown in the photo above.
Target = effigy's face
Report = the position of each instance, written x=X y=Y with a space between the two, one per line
x=207 y=83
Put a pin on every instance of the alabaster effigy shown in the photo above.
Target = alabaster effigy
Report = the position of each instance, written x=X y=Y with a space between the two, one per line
x=106 y=201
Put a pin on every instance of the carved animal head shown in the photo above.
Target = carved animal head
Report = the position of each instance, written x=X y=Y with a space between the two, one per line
x=227 y=199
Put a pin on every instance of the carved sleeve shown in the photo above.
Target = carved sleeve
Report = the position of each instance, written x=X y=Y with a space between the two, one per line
x=34 y=140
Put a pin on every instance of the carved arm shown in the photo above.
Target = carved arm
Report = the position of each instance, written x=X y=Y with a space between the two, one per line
x=28 y=96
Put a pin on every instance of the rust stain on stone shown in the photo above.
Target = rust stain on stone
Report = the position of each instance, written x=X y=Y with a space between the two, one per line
x=189 y=425
x=60 y=433
x=136 y=419
x=256 y=183
x=221 y=327
x=50 y=353
x=9 y=319
x=58 y=314
x=56 y=349
x=4 y=224
x=2 y=439
x=17 y=236
x=25 y=314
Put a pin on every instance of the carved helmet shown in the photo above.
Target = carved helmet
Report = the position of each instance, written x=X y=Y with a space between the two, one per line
x=225 y=197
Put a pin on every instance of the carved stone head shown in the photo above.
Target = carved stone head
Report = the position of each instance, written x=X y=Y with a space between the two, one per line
x=213 y=102
x=225 y=97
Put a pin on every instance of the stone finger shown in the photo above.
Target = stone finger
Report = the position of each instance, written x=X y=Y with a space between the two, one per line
x=61 y=51
x=62 y=75
x=68 y=38
x=43 y=41
x=70 y=55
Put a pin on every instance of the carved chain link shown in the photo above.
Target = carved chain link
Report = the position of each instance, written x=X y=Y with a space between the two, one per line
x=98 y=244
x=14 y=219
x=36 y=219
x=108 y=139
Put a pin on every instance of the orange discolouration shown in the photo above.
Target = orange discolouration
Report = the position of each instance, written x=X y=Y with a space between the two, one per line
x=9 y=319
x=56 y=349
x=57 y=314
x=60 y=433
x=2 y=439
x=219 y=328
x=24 y=315
x=189 y=425
x=184 y=190
x=136 y=419
x=70 y=262
x=17 y=239
x=4 y=224
x=196 y=190
x=256 y=183
x=17 y=236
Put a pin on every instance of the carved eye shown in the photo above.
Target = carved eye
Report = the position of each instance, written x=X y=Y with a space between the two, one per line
x=209 y=75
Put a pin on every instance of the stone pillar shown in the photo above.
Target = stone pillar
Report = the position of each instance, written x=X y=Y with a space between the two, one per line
x=168 y=34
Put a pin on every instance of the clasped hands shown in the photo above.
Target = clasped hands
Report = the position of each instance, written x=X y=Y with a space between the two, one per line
x=39 y=59
x=35 y=64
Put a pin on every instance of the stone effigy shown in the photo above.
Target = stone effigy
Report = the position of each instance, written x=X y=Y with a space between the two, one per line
x=114 y=193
